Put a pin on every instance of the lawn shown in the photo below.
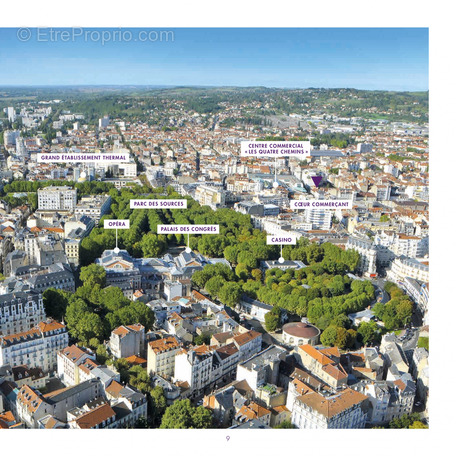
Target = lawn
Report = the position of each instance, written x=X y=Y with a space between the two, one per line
x=423 y=342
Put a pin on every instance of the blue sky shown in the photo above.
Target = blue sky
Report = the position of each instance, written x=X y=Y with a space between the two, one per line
x=388 y=59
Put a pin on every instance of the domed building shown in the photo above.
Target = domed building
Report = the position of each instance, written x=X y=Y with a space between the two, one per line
x=300 y=333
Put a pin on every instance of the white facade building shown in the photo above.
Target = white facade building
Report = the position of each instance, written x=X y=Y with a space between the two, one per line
x=319 y=218
x=342 y=410
x=214 y=197
x=389 y=399
x=68 y=361
x=367 y=252
x=33 y=407
x=57 y=198
x=11 y=113
x=403 y=267
x=161 y=356
x=10 y=137
x=194 y=366
x=94 y=206
x=204 y=366
x=127 y=341
x=103 y=122
x=37 y=347
x=262 y=367
x=410 y=246
x=20 y=311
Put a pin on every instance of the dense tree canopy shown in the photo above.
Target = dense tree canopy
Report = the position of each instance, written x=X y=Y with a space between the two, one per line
x=368 y=332
x=183 y=415
x=157 y=405
x=321 y=291
x=412 y=421
x=142 y=240
x=397 y=312
x=93 y=312
x=272 y=319
x=285 y=425
x=93 y=275
x=55 y=303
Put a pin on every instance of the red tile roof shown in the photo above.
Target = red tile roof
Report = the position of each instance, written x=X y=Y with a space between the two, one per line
x=333 y=405
x=161 y=345
x=95 y=417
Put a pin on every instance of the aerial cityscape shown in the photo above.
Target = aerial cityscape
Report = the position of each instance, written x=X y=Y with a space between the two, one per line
x=202 y=256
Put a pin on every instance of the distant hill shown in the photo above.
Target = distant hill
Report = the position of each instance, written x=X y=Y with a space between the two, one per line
x=344 y=102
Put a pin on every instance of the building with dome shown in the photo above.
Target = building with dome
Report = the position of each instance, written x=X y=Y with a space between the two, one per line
x=150 y=274
x=300 y=333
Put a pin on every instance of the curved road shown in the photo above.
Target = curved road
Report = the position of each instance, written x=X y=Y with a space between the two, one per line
x=380 y=292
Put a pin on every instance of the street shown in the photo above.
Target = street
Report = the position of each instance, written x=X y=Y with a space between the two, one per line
x=380 y=292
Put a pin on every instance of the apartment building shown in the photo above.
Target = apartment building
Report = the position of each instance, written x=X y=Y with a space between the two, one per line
x=417 y=291
x=76 y=229
x=241 y=184
x=424 y=299
x=225 y=401
x=10 y=137
x=410 y=246
x=128 y=170
x=420 y=371
x=161 y=356
x=127 y=341
x=320 y=219
x=388 y=399
x=20 y=311
x=37 y=347
x=8 y=421
x=344 y=410
x=382 y=192
x=323 y=363
x=103 y=122
x=32 y=376
x=72 y=250
x=68 y=361
x=252 y=411
x=32 y=407
x=44 y=250
x=57 y=198
x=383 y=243
x=96 y=416
x=214 y=197
x=204 y=366
x=248 y=344
x=251 y=208
x=262 y=367
x=367 y=252
x=90 y=369
x=59 y=276
x=128 y=399
x=363 y=148
x=225 y=362
x=122 y=412
x=93 y=206
x=418 y=192
x=403 y=267
x=78 y=226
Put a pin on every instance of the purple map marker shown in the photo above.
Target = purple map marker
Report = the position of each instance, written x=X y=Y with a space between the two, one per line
x=317 y=180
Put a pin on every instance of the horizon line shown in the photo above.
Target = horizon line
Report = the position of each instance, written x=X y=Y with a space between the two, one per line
x=205 y=87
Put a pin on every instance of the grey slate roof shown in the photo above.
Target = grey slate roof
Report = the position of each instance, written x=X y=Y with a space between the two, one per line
x=73 y=390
